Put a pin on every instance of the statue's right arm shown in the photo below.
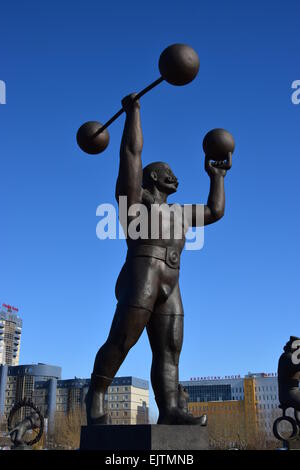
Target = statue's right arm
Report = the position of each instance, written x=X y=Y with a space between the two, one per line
x=129 y=182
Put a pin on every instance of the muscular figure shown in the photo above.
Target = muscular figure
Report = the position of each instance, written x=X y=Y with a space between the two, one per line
x=147 y=288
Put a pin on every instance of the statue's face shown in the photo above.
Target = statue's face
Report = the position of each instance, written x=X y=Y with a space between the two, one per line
x=164 y=179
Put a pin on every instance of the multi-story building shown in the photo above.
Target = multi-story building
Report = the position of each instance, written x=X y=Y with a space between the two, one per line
x=241 y=405
x=10 y=335
x=20 y=382
x=127 y=399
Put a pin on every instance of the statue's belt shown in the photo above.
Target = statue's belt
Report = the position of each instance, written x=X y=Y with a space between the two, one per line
x=169 y=255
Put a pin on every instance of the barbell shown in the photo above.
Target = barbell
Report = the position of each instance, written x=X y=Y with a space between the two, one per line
x=178 y=65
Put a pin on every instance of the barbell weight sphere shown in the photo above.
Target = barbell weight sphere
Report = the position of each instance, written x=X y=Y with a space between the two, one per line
x=90 y=140
x=179 y=64
x=217 y=144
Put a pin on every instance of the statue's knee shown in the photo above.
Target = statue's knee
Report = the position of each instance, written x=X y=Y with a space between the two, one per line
x=126 y=344
x=168 y=356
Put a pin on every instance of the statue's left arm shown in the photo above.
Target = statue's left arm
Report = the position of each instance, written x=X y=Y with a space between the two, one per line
x=214 y=209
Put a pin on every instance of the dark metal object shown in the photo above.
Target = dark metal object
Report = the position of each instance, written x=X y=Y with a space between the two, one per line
x=288 y=387
x=33 y=421
x=183 y=399
x=217 y=144
x=178 y=65
x=147 y=289
x=92 y=137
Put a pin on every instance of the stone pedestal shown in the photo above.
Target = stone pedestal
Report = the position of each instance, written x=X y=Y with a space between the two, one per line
x=143 y=437
x=294 y=445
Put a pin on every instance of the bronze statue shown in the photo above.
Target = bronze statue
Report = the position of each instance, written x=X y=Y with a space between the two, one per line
x=288 y=391
x=18 y=430
x=289 y=376
x=147 y=289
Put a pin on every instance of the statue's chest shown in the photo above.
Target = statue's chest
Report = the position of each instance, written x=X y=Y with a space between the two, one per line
x=167 y=219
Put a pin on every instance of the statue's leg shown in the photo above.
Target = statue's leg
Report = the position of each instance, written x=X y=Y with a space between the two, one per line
x=165 y=335
x=165 y=332
x=127 y=326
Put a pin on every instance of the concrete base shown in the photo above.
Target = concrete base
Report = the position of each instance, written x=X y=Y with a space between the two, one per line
x=143 y=437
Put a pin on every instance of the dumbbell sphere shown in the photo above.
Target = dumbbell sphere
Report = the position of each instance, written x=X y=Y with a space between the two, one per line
x=90 y=140
x=179 y=64
x=217 y=144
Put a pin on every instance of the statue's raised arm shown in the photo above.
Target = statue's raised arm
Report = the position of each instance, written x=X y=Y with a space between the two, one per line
x=129 y=182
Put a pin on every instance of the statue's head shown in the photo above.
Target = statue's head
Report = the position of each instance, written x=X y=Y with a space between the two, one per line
x=159 y=175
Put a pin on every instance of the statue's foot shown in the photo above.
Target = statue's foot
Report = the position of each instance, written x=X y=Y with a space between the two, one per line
x=103 y=419
x=177 y=416
x=95 y=414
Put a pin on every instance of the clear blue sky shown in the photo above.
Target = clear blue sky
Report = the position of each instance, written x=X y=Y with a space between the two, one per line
x=68 y=62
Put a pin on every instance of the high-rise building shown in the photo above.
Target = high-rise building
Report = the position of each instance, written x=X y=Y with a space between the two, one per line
x=240 y=404
x=10 y=335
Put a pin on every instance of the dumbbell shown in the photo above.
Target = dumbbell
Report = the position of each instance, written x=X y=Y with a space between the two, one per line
x=178 y=65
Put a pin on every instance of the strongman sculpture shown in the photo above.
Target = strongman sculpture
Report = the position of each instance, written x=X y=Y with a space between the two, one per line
x=288 y=390
x=147 y=288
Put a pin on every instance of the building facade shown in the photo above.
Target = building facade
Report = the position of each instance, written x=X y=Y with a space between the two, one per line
x=127 y=399
x=20 y=382
x=239 y=405
x=10 y=335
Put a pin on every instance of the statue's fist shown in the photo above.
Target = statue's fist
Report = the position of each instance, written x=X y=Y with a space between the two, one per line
x=214 y=168
x=130 y=102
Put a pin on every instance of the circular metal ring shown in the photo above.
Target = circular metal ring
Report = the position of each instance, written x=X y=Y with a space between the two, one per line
x=21 y=404
x=294 y=430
